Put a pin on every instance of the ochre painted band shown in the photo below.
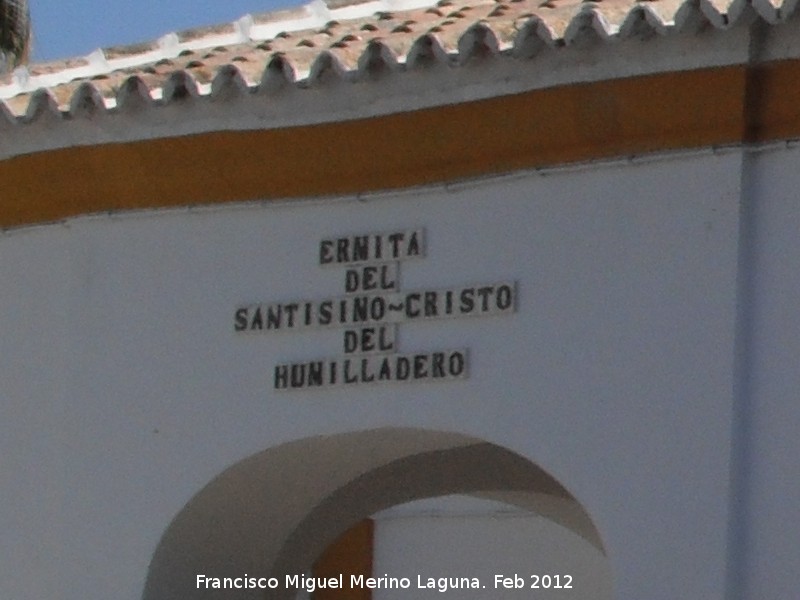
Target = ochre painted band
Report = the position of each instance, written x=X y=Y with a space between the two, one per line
x=667 y=111
x=351 y=554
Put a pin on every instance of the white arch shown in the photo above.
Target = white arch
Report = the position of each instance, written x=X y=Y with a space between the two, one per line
x=275 y=512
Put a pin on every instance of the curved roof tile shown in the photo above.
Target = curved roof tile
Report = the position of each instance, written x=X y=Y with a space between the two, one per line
x=346 y=41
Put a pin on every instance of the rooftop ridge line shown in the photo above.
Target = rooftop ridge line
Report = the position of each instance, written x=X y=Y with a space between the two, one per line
x=169 y=45
x=461 y=30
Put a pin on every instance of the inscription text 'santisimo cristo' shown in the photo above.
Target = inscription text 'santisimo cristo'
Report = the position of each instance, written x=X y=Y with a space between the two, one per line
x=368 y=308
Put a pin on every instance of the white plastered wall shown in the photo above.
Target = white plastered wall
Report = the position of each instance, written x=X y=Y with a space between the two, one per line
x=768 y=502
x=130 y=391
x=513 y=553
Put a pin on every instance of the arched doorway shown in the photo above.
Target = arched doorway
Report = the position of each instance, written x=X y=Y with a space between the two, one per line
x=274 y=513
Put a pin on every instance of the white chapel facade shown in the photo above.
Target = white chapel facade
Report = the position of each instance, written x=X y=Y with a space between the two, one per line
x=396 y=299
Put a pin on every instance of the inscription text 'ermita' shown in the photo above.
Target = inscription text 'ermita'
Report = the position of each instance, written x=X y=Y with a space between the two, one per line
x=372 y=248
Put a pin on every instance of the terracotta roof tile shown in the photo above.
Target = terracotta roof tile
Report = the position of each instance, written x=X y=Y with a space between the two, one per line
x=118 y=52
x=279 y=16
x=348 y=39
x=57 y=66
x=202 y=33
x=17 y=105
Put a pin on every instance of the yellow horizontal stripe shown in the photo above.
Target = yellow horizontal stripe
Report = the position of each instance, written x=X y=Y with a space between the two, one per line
x=560 y=125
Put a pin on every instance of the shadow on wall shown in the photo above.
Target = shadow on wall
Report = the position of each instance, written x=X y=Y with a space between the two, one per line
x=274 y=513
